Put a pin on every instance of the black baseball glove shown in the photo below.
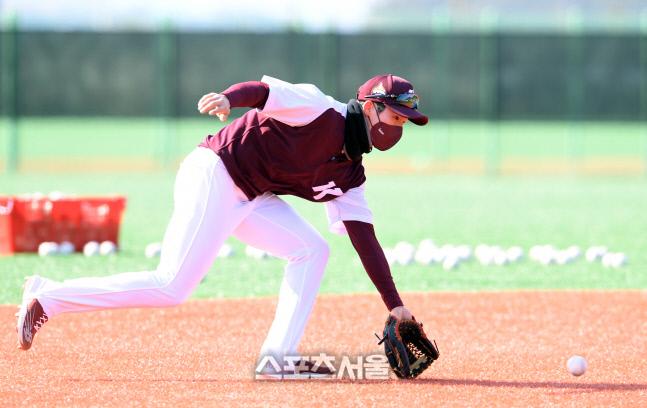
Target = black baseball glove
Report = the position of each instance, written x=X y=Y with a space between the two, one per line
x=407 y=347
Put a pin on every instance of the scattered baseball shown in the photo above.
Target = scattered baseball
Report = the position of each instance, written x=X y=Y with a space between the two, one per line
x=595 y=252
x=619 y=259
x=451 y=262
x=225 y=251
x=614 y=259
x=464 y=252
x=576 y=365
x=500 y=256
x=563 y=257
x=484 y=254
x=153 y=249
x=256 y=253
x=427 y=244
x=391 y=258
x=515 y=254
x=425 y=253
x=404 y=252
x=91 y=248
x=66 y=248
x=48 y=249
x=424 y=256
x=57 y=195
x=107 y=248
x=574 y=252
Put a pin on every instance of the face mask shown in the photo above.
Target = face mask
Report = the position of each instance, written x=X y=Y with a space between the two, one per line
x=385 y=136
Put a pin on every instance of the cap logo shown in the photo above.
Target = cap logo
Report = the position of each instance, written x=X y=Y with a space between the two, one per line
x=378 y=90
x=410 y=91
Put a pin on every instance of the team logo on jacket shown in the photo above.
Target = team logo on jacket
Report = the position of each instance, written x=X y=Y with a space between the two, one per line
x=378 y=90
x=327 y=189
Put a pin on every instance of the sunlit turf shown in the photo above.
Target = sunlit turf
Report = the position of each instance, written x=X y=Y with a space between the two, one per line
x=505 y=211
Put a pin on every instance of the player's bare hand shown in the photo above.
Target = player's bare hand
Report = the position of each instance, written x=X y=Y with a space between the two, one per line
x=215 y=104
x=401 y=313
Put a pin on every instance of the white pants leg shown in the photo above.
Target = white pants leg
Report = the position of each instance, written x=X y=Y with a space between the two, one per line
x=274 y=226
x=208 y=207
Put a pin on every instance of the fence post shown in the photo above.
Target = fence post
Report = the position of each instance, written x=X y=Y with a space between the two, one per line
x=440 y=24
x=575 y=88
x=329 y=62
x=489 y=89
x=10 y=90
x=166 y=92
x=643 y=84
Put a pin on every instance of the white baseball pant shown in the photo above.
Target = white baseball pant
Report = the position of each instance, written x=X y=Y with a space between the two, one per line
x=208 y=209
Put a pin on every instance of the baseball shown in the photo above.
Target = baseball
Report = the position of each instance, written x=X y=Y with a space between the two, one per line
x=500 y=257
x=405 y=252
x=515 y=254
x=225 y=251
x=154 y=249
x=255 y=253
x=619 y=259
x=47 y=248
x=576 y=365
x=464 y=252
x=390 y=255
x=91 y=248
x=424 y=256
x=451 y=262
x=107 y=248
x=66 y=248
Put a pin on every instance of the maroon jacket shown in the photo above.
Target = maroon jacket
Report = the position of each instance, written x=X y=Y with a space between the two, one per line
x=292 y=144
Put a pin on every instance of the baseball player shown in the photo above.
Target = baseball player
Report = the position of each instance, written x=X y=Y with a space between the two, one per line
x=295 y=140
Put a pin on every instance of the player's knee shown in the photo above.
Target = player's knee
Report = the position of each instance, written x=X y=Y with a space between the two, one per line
x=172 y=293
x=317 y=247
x=175 y=298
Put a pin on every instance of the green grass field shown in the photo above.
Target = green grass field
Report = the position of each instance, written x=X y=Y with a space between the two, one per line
x=562 y=210
x=505 y=211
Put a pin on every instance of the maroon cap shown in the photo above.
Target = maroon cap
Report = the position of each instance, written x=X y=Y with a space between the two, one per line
x=391 y=85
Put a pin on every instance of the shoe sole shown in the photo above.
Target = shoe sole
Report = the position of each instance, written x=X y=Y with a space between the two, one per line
x=25 y=337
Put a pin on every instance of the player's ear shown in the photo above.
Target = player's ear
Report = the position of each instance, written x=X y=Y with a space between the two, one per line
x=368 y=106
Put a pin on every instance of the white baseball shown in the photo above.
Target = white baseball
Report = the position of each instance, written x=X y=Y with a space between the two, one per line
x=107 y=248
x=500 y=257
x=424 y=256
x=464 y=252
x=574 y=252
x=153 y=249
x=404 y=252
x=225 y=251
x=427 y=244
x=255 y=253
x=47 y=248
x=576 y=365
x=607 y=259
x=481 y=250
x=619 y=259
x=563 y=257
x=66 y=248
x=515 y=254
x=391 y=258
x=91 y=248
x=451 y=262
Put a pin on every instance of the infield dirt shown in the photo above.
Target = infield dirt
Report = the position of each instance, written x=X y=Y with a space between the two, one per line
x=497 y=349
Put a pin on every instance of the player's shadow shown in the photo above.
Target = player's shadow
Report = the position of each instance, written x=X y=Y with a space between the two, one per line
x=590 y=387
